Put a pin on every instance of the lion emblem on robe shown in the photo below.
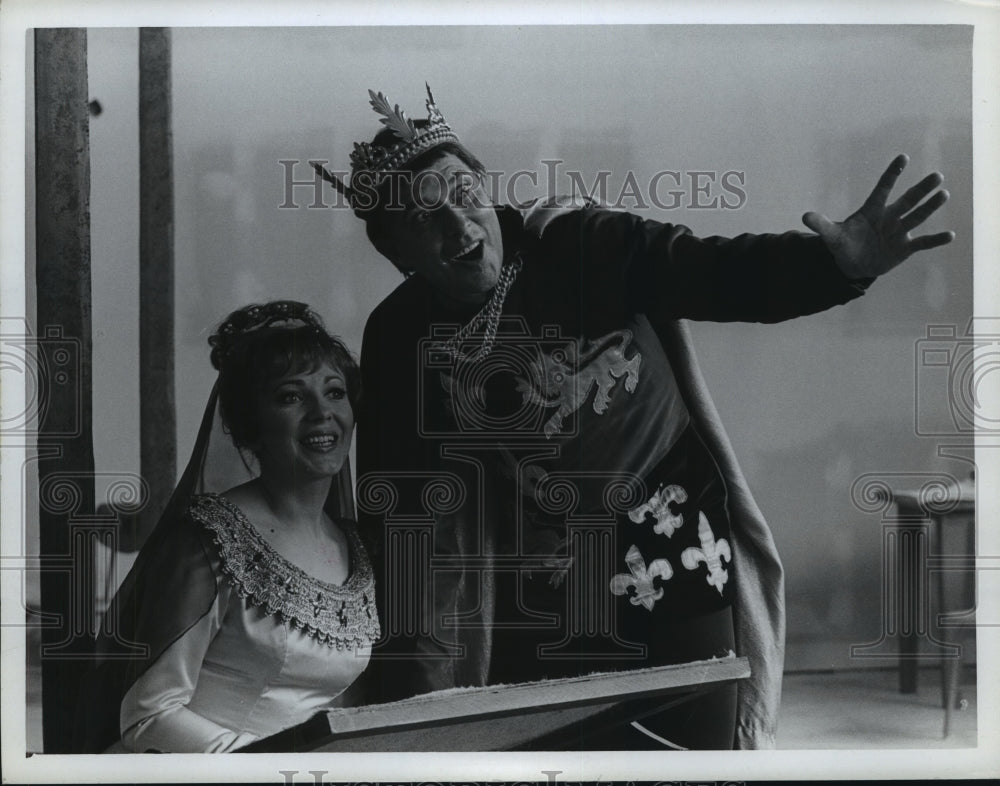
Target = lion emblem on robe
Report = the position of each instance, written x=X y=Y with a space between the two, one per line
x=564 y=377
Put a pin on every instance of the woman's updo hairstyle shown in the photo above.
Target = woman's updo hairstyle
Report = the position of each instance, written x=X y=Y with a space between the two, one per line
x=262 y=342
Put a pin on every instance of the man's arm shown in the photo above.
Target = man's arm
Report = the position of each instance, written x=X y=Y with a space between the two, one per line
x=608 y=264
x=624 y=263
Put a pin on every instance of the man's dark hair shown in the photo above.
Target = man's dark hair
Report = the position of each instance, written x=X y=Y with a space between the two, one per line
x=375 y=224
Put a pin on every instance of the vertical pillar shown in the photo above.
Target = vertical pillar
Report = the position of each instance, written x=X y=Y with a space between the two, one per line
x=62 y=216
x=157 y=415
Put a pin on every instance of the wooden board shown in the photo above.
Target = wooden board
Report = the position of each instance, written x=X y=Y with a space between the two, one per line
x=544 y=715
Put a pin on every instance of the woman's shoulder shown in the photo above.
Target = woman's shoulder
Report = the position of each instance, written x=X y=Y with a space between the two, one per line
x=232 y=511
x=204 y=507
x=242 y=499
x=227 y=526
x=217 y=517
x=224 y=528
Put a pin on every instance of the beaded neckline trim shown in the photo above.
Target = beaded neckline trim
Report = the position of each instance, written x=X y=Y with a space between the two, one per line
x=342 y=616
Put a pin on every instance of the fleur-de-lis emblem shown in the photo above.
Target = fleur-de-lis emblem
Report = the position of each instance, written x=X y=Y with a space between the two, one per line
x=659 y=507
x=319 y=604
x=712 y=552
x=641 y=578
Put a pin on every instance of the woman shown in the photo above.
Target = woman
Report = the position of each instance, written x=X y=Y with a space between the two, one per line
x=255 y=607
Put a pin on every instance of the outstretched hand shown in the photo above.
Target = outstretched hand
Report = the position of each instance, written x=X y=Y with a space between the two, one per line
x=876 y=238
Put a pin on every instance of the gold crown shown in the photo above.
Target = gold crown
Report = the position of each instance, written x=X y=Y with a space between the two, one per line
x=371 y=163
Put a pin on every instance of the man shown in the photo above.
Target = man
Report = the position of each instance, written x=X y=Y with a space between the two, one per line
x=547 y=481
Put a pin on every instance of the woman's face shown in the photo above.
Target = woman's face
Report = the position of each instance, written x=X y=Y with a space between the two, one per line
x=305 y=422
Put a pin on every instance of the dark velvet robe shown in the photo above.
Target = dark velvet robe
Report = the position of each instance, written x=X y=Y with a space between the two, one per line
x=585 y=270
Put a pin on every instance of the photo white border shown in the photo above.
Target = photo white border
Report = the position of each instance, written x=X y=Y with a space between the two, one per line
x=18 y=16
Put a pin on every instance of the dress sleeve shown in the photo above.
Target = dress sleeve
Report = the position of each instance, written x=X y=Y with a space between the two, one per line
x=154 y=713
x=665 y=271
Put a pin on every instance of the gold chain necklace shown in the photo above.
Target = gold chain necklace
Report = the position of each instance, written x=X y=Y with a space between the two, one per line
x=488 y=314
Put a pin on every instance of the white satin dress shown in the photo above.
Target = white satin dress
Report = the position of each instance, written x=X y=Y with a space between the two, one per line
x=276 y=647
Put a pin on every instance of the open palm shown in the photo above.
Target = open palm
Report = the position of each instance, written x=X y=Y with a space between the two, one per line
x=876 y=238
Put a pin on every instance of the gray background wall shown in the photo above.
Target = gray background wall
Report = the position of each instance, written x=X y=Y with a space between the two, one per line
x=812 y=115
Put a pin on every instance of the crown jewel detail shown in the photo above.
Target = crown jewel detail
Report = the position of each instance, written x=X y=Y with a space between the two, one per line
x=370 y=163
x=412 y=141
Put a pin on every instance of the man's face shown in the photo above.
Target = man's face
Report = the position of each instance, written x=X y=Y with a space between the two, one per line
x=448 y=231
